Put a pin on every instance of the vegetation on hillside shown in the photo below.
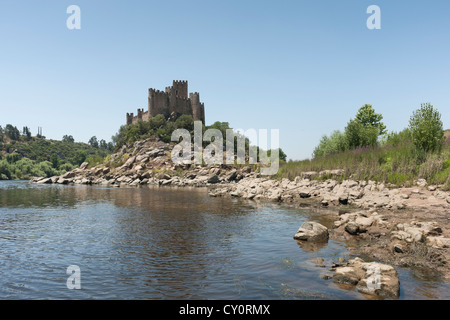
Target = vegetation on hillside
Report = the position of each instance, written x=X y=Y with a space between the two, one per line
x=365 y=151
x=159 y=127
x=23 y=156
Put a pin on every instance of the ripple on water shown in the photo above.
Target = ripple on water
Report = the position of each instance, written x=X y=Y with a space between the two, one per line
x=164 y=244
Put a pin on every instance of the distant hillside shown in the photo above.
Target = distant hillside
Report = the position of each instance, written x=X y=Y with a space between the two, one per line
x=23 y=156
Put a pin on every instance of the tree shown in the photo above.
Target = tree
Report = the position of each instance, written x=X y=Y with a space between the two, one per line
x=358 y=135
x=93 y=142
x=12 y=157
x=12 y=132
x=79 y=158
x=426 y=128
x=335 y=143
x=54 y=159
x=103 y=144
x=68 y=139
x=27 y=133
x=367 y=117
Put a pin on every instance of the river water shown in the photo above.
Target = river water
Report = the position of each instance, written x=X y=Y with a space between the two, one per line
x=166 y=243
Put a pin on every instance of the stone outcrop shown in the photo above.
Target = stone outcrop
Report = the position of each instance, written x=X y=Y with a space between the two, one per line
x=148 y=163
x=369 y=278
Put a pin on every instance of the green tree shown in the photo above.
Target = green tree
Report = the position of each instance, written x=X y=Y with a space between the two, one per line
x=358 y=135
x=68 y=139
x=335 y=143
x=12 y=158
x=426 y=128
x=27 y=133
x=103 y=144
x=12 y=132
x=79 y=158
x=54 y=159
x=367 y=117
x=93 y=142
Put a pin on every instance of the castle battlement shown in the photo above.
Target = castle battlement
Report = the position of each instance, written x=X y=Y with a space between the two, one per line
x=172 y=103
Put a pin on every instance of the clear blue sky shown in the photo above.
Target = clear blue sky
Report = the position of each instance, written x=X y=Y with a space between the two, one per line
x=303 y=67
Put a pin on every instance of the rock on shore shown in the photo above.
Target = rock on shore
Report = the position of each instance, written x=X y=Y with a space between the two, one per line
x=312 y=231
x=369 y=278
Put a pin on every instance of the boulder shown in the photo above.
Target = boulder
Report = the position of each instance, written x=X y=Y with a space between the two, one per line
x=438 y=242
x=422 y=182
x=312 y=231
x=213 y=179
x=352 y=228
x=369 y=278
x=84 y=165
x=129 y=162
x=45 y=181
x=68 y=175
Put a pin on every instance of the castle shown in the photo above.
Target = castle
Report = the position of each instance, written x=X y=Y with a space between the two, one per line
x=172 y=103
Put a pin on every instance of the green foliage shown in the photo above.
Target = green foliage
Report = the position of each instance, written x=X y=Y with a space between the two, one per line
x=395 y=160
x=26 y=169
x=12 y=158
x=427 y=129
x=93 y=142
x=359 y=135
x=12 y=132
x=281 y=155
x=362 y=131
x=68 y=139
x=367 y=117
x=26 y=133
x=54 y=160
x=26 y=157
x=335 y=143
x=159 y=127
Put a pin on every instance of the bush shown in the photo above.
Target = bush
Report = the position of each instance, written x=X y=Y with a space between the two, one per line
x=337 y=142
x=358 y=135
x=427 y=129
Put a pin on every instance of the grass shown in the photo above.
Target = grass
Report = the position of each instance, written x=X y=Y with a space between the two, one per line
x=395 y=161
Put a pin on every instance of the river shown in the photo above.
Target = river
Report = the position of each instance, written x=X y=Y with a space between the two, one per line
x=166 y=243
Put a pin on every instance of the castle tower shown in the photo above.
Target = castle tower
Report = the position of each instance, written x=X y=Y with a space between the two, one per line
x=130 y=117
x=158 y=103
x=180 y=88
x=140 y=113
x=198 y=109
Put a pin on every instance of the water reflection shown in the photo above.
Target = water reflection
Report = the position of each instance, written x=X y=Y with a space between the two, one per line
x=162 y=243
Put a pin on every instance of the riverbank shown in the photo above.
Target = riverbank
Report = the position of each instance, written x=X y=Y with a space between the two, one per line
x=406 y=227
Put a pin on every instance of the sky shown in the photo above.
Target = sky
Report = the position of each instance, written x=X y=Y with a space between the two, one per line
x=302 y=67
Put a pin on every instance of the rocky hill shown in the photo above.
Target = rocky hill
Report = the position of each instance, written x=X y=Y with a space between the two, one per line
x=148 y=162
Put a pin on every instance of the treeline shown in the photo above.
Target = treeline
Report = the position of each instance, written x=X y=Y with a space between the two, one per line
x=23 y=156
x=367 y=151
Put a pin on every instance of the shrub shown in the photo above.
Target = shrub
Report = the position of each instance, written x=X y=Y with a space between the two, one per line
x=358 y=135
x=427 y=129
x=337 y=142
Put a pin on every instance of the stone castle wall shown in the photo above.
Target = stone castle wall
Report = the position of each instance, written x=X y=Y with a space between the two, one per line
x=172 y=103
